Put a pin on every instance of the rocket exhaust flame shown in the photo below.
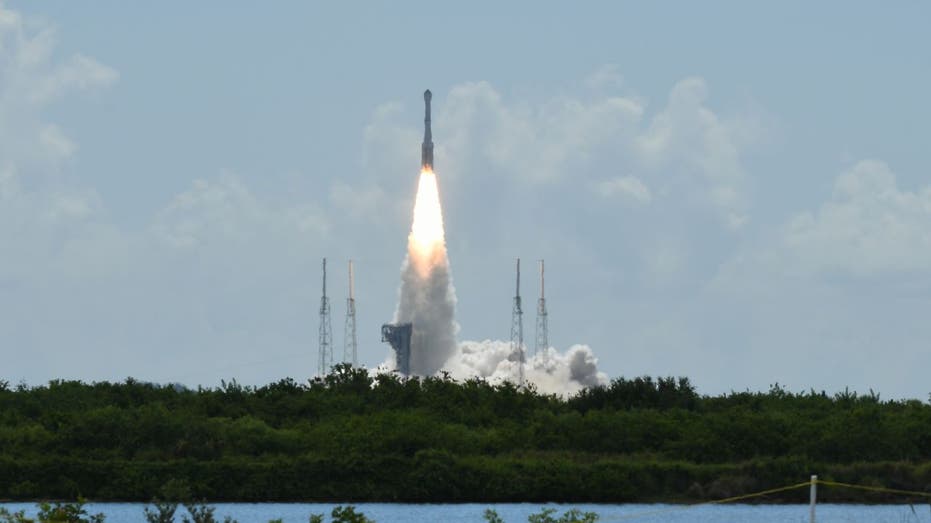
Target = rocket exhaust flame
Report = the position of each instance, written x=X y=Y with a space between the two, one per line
x=427 y=243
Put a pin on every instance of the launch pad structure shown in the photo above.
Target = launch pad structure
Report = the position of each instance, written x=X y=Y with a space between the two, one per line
x=399 y=336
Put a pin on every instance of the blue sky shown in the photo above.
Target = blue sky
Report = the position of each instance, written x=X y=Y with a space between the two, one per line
x=734 y=192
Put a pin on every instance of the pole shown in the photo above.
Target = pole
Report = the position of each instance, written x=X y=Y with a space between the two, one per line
x=542 y=282
x=813 y=497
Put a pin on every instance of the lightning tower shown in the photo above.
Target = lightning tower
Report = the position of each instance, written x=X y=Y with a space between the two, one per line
x=350 y=354
x=543 y=333
x=517 y=332
x=326 y=332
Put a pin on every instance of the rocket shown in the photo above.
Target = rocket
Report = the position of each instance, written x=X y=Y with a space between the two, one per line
x=426 y=150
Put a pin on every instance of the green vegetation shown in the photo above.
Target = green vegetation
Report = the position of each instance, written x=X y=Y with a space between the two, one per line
x=546 y=516
x=352 y=437
x=164 y=512
x=54 y=513
x=203 y=513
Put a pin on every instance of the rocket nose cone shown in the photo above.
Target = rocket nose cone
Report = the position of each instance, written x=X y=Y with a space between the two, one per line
x=427 y=95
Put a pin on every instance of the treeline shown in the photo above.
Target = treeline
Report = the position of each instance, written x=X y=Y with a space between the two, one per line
x=356 y=437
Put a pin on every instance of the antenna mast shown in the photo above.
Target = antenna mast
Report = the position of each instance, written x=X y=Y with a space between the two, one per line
x=326 y=332
x=517 y=332
x=543 y=332
x=349 y=334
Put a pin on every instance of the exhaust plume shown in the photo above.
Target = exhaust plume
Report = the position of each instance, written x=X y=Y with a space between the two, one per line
x=428 y=301
x=427 y=297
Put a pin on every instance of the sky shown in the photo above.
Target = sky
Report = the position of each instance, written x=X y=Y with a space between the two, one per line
x=734 y=192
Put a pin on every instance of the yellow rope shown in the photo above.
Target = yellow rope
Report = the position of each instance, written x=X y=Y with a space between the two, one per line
x=756 y=494
x=767 y=492
x=874 y=489
x=714 y=502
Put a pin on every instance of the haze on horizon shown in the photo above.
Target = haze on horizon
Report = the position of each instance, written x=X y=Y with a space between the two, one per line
x=734 y=193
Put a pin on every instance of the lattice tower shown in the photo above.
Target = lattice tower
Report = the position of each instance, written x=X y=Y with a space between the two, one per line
x=543 y=332
x=517 y=332
x=325 y=346
x=349 y=332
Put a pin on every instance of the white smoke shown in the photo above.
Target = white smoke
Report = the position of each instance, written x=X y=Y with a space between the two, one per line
x=550 y=371
x=430 y=305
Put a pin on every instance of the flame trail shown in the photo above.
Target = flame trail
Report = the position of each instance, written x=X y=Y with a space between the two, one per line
x=427 y=240
x=427 y=297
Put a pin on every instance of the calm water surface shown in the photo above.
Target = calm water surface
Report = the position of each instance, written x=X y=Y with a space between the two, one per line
x=517 y=513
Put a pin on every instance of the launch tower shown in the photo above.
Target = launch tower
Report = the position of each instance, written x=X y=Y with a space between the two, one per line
x=543 y=334
x=517 y=332
x=326 y=332
x=350 y=349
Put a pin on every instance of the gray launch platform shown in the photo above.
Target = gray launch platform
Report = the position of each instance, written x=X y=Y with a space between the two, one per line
x=399 y=336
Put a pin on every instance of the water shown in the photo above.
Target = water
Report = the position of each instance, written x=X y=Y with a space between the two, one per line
x=517 y=513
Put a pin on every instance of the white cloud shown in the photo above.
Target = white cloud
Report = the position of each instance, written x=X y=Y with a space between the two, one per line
x=44 y=229
x=55 y=142
x=31 y=77
x=389 y=147
x=540 y=142
x=78 y=73
x=688 y=139
x=607 y=77
x=225 y=210
x=359 y=202
x=869 y=227
x=626 y=186
x=688 y=153
x=72 y=207
x=26 y=51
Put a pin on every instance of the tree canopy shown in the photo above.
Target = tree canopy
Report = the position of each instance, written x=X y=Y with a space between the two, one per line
x=353 y=436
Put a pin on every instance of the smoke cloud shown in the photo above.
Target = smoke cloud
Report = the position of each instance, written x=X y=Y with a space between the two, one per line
x=429 y=303
x=427 y=300
x=550 y=371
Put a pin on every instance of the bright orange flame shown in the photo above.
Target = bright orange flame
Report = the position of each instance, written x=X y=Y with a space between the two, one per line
x=426 y=243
